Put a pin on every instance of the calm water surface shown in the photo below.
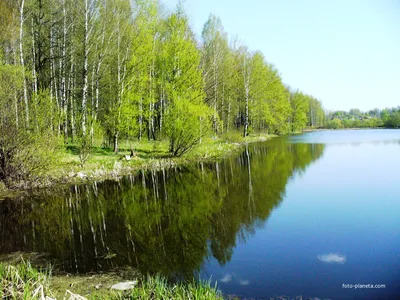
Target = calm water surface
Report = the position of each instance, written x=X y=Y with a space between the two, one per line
x=293 y=216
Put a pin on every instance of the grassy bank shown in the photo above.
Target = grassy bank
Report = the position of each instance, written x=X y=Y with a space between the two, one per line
x=103 y=163
x=22 y=281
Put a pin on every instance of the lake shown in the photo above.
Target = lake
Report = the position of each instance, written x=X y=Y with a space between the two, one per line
x=306 y=215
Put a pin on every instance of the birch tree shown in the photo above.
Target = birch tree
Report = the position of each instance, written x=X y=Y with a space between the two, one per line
x=246 y=72
x=118 y=117
x=187 y=117
x=214 y=52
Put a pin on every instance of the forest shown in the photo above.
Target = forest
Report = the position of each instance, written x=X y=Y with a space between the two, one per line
x=93 y=73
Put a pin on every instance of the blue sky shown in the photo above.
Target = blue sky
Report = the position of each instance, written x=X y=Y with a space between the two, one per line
x=346 y=53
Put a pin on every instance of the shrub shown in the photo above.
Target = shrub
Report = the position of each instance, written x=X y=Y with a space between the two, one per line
x=25 y=155
x=186 y=124
x=334 y=124
x=84 y=143
x=26 y=148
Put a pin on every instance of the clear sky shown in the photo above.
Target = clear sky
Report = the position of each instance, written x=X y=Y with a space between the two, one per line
x=346 y=53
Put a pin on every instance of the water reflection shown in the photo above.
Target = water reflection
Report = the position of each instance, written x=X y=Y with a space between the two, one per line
x=167 y=221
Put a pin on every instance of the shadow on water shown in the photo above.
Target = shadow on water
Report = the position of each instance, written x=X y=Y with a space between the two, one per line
x=168 y=221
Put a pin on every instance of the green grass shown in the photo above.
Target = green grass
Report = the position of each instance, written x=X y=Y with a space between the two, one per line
x=22 y=281
x=103 y=163
x=158 y=288
x=148 y=154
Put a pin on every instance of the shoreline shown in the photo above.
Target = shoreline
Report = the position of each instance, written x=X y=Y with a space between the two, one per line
x=114 y=166
x=352 y=128
x=21 y=280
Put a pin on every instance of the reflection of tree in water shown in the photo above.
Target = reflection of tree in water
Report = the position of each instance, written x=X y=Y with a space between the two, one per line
x=167 y=221
x=255 y=184
x=156 y=221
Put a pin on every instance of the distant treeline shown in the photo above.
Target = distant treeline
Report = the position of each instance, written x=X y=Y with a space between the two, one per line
x=354 y=118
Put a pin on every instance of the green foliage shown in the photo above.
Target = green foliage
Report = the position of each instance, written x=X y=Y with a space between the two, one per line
x=316 y=114
x=334 y=124
x=186 y=124
x=3 y=187
x=121 y=118
x=84 y=141
x=43 y=112
x=187 y=118
x=299 y=103
x=215 y=63
x=260 y=90
x=354 y=118
x=97 y=132
x=269 y=105
x=85 y=145
x=8 y=26
x=393 y=120
x=11 y=85
x=24 y=155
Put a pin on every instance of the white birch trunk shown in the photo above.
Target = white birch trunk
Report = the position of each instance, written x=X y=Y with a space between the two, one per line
x=34 y=75
x=246 y=79
x=21 y=53
x=63 y=87
x=85 y=68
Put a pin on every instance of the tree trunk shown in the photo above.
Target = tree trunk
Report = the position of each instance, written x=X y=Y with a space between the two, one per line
x=116 y=142
x=150 y=106
x=246 y=78
x=16 y=110
x=34 y=75
x=222 y=107
x=161 y=111
x=92 y=98
x=103 y=50
x=229 y=115
x=53 y=81
x=119 y=98
x=85 y=68
x=246 y=117
x=140 y=118
x=72 y=99
x=215 y=95
x=63 y=65
x=21 y=53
